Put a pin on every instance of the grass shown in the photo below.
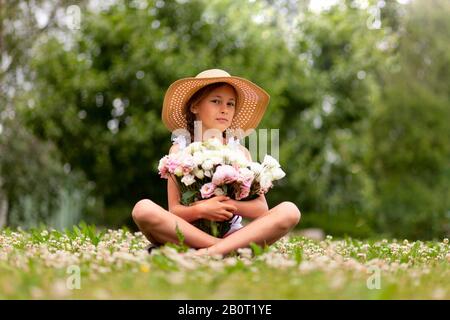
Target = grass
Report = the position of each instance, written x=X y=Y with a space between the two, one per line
x=85 y=263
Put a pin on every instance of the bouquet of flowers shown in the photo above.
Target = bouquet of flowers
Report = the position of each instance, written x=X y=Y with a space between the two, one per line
x=209 y=168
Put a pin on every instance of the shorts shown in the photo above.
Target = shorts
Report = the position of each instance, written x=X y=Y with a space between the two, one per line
x=236 y=224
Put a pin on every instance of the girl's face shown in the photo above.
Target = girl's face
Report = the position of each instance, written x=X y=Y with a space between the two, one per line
x=217 y=109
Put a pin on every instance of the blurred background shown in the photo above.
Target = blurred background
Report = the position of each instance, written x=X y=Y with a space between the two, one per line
x=359 y=90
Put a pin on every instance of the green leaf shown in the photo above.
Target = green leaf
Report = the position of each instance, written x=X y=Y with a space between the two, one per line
x=187 y=197
x=182 y=246
x=257 y=250
x=298 y=254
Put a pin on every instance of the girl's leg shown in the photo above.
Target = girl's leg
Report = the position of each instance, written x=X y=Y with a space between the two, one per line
x=159 y=226
x=264 y=230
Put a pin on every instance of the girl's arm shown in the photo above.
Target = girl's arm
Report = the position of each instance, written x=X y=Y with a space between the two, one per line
x=188 y=213
x=250 y=209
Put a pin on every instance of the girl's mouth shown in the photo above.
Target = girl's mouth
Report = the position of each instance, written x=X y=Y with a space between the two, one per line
x=222 y=120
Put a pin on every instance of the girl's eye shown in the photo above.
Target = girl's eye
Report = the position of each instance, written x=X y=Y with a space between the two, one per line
x=230 y=104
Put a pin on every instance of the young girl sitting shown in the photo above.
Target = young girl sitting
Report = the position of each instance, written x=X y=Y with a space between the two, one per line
x=219 y=102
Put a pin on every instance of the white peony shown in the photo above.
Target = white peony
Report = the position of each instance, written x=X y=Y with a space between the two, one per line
x=198 y=158
x=256 y=167
x=233 y=143
x=188 y=179
x=199 y=173
x=219 y=192
x=207 y=173
x=213 y=143
x=207 y=164
x=187 y=161
x=216 y=156
x=181 y=141
x=178 y=171
x=228 y=155
x=277 y=173
x=246 y=174
x=196 y=146
x=265 y=181
x=270 y=162
x=242 y=161
x=217 y=160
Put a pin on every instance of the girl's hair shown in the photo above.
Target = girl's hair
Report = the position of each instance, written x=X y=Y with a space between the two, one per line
x=196 y=98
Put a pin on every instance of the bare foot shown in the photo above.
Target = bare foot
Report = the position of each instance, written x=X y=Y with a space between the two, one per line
x=207 y=252
x=201 y=252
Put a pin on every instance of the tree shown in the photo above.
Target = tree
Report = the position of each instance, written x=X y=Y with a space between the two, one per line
x=409 y=136
x=100 y=99
x=29 y=167
x=327 y=106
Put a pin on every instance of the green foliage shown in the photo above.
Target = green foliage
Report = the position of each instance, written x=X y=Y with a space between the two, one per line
x=362 y=111
x=39 y=188
x=180 y=246
x=335 y=268
x=111 y=83
x=409 y=133
x=258 y=250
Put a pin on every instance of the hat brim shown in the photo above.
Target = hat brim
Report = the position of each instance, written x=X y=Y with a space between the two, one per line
x=251 y=105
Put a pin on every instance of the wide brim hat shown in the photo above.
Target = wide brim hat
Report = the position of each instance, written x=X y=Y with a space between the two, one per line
x=251 y=103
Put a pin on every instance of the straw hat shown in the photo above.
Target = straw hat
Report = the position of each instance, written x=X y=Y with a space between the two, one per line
x=251 y=104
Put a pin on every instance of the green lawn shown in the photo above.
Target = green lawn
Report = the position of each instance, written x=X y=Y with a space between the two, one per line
x=83 y=263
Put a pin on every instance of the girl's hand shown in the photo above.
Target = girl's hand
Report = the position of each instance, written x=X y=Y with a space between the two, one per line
x=215 y=208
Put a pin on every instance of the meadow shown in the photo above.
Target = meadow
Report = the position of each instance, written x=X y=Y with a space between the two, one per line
x=86 y=263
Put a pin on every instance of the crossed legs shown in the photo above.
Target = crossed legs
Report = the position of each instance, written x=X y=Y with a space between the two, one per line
x=158 y=225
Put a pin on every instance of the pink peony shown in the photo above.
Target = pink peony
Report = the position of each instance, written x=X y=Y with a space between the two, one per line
x=187 y=164
x=244 y=190
x=207 y=190
x=242 y=193
x=172 y=164
x=225 y=174
x=162 y=167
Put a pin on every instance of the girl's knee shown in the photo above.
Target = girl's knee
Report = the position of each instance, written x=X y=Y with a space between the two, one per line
x=290 y=214
x=145 y=210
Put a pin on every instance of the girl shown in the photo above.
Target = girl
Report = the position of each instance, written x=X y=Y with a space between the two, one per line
x=220 y=102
